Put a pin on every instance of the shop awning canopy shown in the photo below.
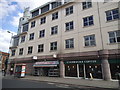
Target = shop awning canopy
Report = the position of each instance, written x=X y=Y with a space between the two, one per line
x=46 y=64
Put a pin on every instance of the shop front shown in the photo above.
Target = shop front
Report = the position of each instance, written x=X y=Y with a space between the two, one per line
x=46 y=68
x=83 y=69
x=114 y=68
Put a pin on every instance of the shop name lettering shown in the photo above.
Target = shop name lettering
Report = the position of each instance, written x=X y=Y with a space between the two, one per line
x=47 y=63
x=93 y=61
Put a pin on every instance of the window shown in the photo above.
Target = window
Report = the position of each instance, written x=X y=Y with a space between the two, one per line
x=55 y=16
x=32 y=24
x=87 y=4
x=31 y=36
x=54 y=30
x=69 y=26
x=22 y=39
x=45 y=8
x=42 y=33
x=112 y=14
x=69 y=43
x=114 y=37
x=21 y=51
x=69 y=10
x=88 y=21
x=43 y=20
x=53 y=46
x=40 y=48
x=13 y=53
x=25 y=27
x=56 y=4
x=35 y=13
x=90 y=40
x=30 y=49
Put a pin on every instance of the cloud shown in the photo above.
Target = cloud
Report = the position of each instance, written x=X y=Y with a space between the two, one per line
x=15 y=21
x=5 y=38
x=6 y=8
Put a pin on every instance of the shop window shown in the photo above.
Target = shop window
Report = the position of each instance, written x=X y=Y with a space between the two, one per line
x=115 y=69
x=94 y=69
x=71 y=70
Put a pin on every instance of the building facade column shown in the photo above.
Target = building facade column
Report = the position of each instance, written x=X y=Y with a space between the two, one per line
x=105 y=65
x=62 y=69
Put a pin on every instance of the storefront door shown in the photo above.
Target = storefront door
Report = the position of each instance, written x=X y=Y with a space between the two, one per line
x=81 y=71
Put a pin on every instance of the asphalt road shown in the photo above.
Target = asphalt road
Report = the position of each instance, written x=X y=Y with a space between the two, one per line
x=20 y=83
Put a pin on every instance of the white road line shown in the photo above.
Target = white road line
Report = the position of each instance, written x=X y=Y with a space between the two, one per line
x=51 y=83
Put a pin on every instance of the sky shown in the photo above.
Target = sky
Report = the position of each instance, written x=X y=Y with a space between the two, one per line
x=10 y=12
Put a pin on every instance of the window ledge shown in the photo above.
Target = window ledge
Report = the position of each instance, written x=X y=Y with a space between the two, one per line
x=88 y=26
x=40 y=52
x=69 y=48
x=113 y=43
x=86 y=8
x=69 y=14
x=89 y=46
x=53 y=50
x=69 y=30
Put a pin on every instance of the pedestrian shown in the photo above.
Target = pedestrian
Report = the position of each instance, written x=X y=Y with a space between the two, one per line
x=4 y=72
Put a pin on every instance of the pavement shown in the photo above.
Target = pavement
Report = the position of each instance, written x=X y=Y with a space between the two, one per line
x=74 y=81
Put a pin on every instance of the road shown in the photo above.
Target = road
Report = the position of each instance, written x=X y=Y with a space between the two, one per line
x=20 y=83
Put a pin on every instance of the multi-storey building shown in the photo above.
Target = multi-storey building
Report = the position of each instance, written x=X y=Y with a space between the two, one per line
x=3 y=60
x=71 y=39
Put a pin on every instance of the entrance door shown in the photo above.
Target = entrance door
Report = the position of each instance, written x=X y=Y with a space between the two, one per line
x=81 y=71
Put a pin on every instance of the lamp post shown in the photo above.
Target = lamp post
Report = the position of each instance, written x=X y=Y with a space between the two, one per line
x=6 y=62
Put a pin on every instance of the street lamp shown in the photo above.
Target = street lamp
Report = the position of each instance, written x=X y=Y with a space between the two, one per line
x=6 y=62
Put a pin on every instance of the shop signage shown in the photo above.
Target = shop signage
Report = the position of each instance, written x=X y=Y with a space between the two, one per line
x=82 y=62
x=47 y=63
x=114 y=61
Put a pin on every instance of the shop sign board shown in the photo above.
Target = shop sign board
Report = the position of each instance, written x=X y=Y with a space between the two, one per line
x=114 y=61
x=47 y=63
x=23 y=71
x=83 y=62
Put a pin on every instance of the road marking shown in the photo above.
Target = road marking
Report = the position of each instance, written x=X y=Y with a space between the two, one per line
x=63 y=86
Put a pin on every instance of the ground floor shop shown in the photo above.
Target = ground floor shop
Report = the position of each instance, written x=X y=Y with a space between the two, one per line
x=83 y=69
x=91 y=69
x=46 y=68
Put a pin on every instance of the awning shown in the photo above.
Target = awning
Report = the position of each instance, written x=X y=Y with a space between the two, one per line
x=46 y=64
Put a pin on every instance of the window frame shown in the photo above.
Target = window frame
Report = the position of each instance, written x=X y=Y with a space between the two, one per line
x=53 y=46
x=40 y=48
x=69 y=43
x=31 y=37
x=43 y=20
x=86 y=4
x=89 y=41
x=22 y=39
x=110 y=14
x=42 y=33
x=30 y=49
x=55 y=16
x=54 y=30
x=69 y=10
x=21 y=51
x=69 y=26
x=115 y=36
x=88 y=22
x=13 y=52
x=33 y=24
